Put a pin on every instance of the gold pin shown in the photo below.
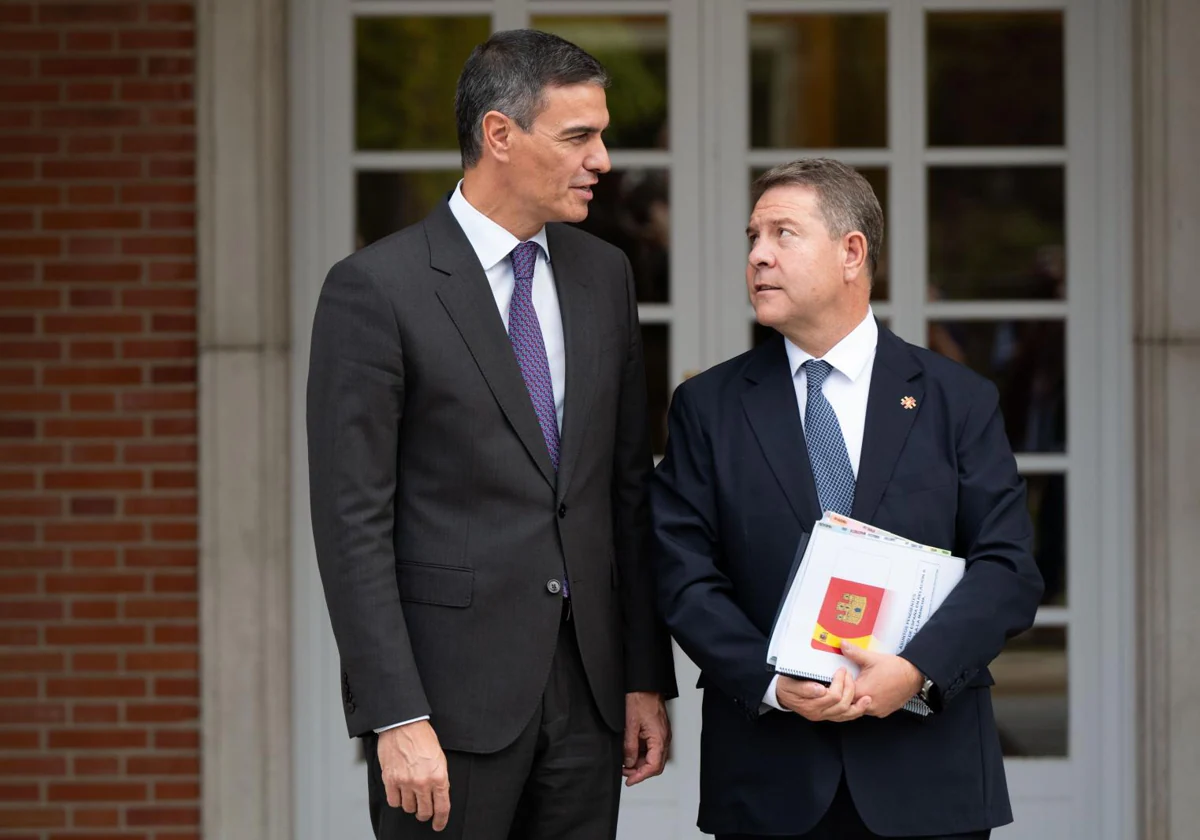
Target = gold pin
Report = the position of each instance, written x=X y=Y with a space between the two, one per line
x=908 y=402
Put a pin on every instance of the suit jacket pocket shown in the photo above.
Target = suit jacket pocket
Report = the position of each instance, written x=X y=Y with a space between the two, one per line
x=445 y=586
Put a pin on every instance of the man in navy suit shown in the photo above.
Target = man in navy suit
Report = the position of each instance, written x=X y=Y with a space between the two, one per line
x=837 y=413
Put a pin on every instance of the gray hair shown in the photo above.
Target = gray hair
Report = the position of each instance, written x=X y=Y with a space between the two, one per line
x=509 y=73
x=844 y=197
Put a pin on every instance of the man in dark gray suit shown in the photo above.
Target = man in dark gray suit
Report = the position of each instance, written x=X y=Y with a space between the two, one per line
x=478 y=457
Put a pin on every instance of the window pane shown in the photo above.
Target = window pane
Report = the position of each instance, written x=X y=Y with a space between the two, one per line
x=1027 y=361
x=389 y=201
x=634 y=52
x=406 y=69
x=997 y=233
x=995 y=79
x=631 y=209
x=656 y=341
x=877 y=177
x=818 y=81
x=1048 y=509
x=1030 y=695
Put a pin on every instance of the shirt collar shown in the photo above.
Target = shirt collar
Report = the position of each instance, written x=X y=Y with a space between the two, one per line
x=849 y=356
x=491 y=242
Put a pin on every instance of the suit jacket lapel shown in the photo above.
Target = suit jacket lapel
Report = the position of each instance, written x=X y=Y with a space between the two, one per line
x=770 y=406
x=571 y=276
x=469 y=302
x=895 y=386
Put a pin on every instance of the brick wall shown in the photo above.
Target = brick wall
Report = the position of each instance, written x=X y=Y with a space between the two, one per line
x=98 y=618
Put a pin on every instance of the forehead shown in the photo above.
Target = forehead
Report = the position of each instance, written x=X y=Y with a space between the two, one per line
x=791 y=200
x=583 y=104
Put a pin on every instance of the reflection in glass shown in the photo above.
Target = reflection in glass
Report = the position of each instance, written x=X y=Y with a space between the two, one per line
x=631 y=209
x=656 y=342
x=634 y=52
x=1048 y=509
x=877 y=177
x=389 y=201
x=1027 y=361
x=1030 y=695
x=406 y=70
x=997 y=233
x=995 y=79
x=818 y=81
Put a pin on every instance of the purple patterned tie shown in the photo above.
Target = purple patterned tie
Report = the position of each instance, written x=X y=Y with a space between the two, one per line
x=526 y=335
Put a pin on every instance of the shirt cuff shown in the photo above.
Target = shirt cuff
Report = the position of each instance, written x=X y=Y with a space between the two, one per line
x=770 y=699
x=405 y=723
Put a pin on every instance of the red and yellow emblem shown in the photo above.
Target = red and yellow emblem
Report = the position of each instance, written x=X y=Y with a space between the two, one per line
x=848 y=612
x=908 y=402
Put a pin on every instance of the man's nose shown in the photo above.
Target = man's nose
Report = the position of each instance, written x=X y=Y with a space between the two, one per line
x=598 y=160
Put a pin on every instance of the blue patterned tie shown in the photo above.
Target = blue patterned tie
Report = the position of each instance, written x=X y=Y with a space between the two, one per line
x=826 y=447
x=526 y=335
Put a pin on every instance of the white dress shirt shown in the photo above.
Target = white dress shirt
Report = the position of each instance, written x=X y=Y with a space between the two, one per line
x=847 y=388
x=492 y=245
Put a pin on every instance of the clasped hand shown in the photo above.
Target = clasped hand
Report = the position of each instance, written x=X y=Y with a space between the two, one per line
x=885 y=683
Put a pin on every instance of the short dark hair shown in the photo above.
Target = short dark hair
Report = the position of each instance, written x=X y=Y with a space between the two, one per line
x=509 y=73
x=844 y=197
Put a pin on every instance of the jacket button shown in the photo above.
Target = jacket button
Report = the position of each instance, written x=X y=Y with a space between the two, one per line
x=553 y=586
x=562 y=511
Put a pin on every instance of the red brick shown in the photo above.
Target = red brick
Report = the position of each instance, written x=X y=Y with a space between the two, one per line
x=30 y=246
x=172 y=635
x=31 y=558
x=33 y=766
x=146 y=194
x=173 y=532
x=93 y=273
x=97 y=792
x=91 y=145
x=158 y=246
x=106 y=169
x=88 y=713
x=35 y=195
x=173 y=323
x=16 y=531
x=17 y=428
x=34 y=401
x=10 y=325
x=43 y=350
x=152 y=92
x=157 y=66
x=93 y=558
x=16 y=13
x=159 y=298
x=29 y=92
x=95 y=661
x=177 y=790
x=94 y=611
x=97 y=739
x=75 y=325
x=158 y=400
x=92 y=350
x=17 y=170
x=158 y=349
x=106 y=116
x=84 y=194
x=30 y=298
x=157 y=506
x=91 y=67
x=175 y=739
x=33 y=41
x=93 y=376
x=161 y=712
x=93 y=532
x=162 y=374
x=158 y=607
x=169 y=13
x=97 y=765
x=165 y=220
x=161 y=765
x=76 y=220
x=30 y=611
x=97 y=818
x=88 y=12
x=174 y=427
x=180 y=660
x=160 y=453
x=174 y=583
x=34 y=713
x=96 y=634
x=89 y=41
x=28 y=792
x=83 y=298
x=41 y=661
x=28 y=144
x=77 y=583
x=24 y=221
x=173 y=479
x=91 y=246
x=88 y=401
x=97 y=453
x=32 y=817
x=146 y=144
x=19 y=740
x=168 y=168
x=19 y=507
x=93 y=480
x=93 y=507
x=30 y=453
x=91 y=92
x=106 y=687
x=107 y=428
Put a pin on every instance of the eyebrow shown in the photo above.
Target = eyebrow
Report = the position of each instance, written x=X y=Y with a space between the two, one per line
x=573 y=130
x=779 y=221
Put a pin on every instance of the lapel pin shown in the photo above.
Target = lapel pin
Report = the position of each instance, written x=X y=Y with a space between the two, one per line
x=908 y=402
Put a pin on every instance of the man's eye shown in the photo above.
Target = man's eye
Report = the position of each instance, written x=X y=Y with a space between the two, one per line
x=784 y=232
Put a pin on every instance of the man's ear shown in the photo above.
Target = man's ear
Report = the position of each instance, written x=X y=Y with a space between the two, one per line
x=854 y=246
x=497 y=135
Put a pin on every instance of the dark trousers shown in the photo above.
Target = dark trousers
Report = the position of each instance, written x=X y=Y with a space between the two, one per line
x=842 y=822
x=560 y=779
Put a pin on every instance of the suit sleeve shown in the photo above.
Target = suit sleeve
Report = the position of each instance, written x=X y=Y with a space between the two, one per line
x=649 y=661
x=999 y=594
x=355 y=402
x=695 y=596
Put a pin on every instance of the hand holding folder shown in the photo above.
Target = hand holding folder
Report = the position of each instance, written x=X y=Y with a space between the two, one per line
x=856 y=583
